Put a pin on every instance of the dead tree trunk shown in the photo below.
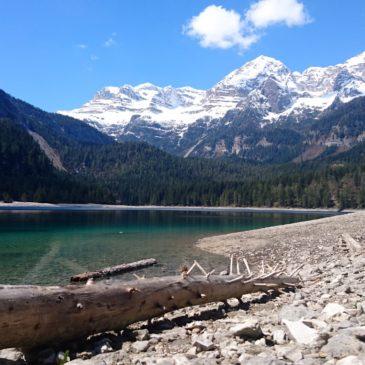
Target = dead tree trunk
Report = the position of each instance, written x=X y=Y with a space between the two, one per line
x=32 y=316
x=114 y=270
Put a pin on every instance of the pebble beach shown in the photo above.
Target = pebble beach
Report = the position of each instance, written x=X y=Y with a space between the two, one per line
x=322 y=322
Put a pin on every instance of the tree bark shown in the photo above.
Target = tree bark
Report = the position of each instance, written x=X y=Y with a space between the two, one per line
x=33 y=316
x=114 y=270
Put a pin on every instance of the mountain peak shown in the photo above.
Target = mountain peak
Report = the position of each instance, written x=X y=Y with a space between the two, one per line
x=147 y=85
x=260 y=66
x=263 y=59
x=356 y=60
x=263 y=64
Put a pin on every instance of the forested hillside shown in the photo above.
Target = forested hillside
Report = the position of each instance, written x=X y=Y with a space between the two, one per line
x=28 y=175
x=145 y=175
x=69 y=161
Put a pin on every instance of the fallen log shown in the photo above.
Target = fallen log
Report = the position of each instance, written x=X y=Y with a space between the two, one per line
x=113 y=270
x=34 y=316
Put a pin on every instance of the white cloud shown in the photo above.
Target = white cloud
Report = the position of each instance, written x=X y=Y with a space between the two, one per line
x=269 y=12
x=217 y=27
x=110 y=42
x=81 y=46
x=94 y=57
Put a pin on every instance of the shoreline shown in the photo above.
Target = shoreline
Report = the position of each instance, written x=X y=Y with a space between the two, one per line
x=276 y=242
x=320 y=323
x=33 y=206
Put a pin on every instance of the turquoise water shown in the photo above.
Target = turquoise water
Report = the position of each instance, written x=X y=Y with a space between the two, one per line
x=46 y=247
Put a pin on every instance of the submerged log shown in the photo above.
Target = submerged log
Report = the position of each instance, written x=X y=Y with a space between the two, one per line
x=33 y=316
x=113 y=270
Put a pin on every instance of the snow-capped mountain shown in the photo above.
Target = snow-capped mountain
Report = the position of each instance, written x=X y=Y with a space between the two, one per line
x=263 y=88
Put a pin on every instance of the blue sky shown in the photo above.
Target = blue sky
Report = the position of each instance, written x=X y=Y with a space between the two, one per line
x=56 y=54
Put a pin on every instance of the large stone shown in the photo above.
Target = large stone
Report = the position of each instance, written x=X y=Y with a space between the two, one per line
x=174 y=334
x=243 y=359
x=182 y=359
x=142 y=334
x=281 y=350
x=294 y=313
x=165 y=361
x=332 y=309
x=343 y=345
x=316 y=323
x=358 y=331
x=195 y=324
x=278 y=337
x=249 y=329
x=203 y=343
x=11 y=356
x=301 y=333
x=293 y=355
x=103 y=359
x=258 y=360
x=140 y=346
x=352 y=360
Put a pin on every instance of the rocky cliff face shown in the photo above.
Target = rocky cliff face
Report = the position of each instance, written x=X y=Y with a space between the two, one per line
x=252 y=102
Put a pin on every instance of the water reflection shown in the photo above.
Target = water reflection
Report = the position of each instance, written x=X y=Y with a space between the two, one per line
x=49 y=247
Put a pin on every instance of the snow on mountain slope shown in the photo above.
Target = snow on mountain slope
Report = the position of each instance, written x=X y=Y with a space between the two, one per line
x=117 y=105
x=263 y=84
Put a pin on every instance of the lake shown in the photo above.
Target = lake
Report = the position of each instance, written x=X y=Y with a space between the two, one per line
x=47 y=247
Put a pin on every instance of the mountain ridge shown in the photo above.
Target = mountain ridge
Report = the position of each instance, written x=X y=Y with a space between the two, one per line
x=98 y=169
x=264 y=83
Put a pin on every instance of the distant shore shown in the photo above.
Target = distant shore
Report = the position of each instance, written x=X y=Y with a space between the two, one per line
x=29 y=206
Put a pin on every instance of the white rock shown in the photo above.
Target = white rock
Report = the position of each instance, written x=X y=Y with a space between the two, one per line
x=351 y=360
x=166 y=361
x=294 y=355
x=281 y=350
x=203 y=343
x=333 y=309
x=195 y=324
x=316 y=323
x=325 y=296
x=248 y=329
x=244 y=358
x=279 y=337
x=181 y=360
x=142 y=334
x=361 y=308
x=140 y=346
x=12 y=355
x=301 y=333
x=191 y=352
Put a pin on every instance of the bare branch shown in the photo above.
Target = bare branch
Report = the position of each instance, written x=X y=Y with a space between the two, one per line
x=247 y=266
x=295 y=271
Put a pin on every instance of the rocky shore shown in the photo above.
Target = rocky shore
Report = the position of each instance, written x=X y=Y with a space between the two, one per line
x=323 y=322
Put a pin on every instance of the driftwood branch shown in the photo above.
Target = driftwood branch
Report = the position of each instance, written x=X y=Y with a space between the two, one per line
x=351 y=243
x=114 y=270
x=33 y=316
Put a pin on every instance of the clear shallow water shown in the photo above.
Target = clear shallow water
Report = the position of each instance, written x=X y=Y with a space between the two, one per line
x=46 y=247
